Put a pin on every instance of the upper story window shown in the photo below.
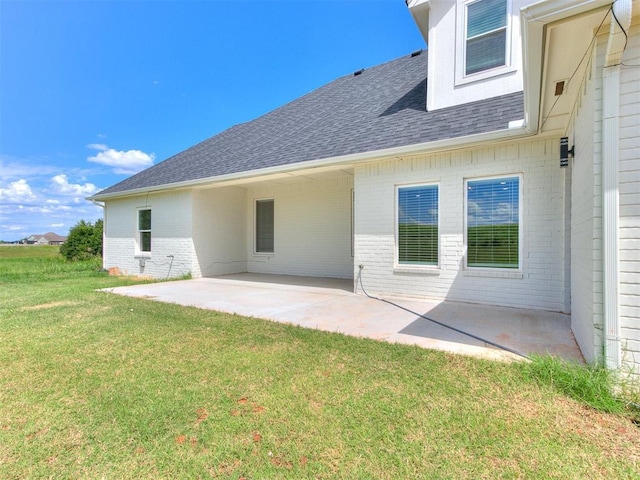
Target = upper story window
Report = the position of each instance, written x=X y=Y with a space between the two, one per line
x=486 y=35
x=483 y=39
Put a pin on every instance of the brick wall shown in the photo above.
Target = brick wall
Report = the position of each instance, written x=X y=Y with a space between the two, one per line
x=312 y=228
x=170 y=235
x=540 y=284
x=220 y=231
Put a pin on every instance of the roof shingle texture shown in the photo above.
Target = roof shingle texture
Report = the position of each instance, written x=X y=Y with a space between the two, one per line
x=383 y=107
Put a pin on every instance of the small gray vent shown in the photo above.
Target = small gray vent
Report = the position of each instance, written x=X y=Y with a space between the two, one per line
x=359 y=72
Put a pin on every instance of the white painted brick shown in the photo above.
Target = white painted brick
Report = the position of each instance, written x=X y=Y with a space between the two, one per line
x=170 y=235
x=544 y=225
x=220 y=230
x=312 y=228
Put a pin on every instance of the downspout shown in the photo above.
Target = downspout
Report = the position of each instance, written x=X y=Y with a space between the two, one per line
x=620 y=22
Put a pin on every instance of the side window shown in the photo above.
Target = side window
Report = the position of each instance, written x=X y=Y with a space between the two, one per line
x=144 y=230
x=483 y=42
x=264 y=226
x=417 y=217
x=493 y=221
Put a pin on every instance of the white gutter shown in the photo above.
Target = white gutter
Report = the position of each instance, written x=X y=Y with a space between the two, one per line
x=610 y=195
x=427 y=147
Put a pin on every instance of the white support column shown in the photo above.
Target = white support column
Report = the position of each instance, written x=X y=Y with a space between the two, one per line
x=610 y=152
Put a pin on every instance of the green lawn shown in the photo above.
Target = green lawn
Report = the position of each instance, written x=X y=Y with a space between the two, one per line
x=93 y=385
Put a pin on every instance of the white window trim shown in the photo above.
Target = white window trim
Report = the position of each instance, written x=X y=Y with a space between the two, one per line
x=138 y=247
x=255 y=227
x=353 y=222
x=409 y=268
x=495 y=271
x=461 y=78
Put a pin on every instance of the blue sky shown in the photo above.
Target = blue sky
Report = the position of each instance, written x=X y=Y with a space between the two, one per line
x=93 y=91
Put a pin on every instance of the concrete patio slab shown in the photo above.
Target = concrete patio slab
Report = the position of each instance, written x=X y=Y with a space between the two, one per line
x=330 y=305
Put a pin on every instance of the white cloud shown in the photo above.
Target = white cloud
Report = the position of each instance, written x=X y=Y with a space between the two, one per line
x=473 y=208
x=98 y=146
x=18 y=191
x=21 y=170
x=129 y=162
x=504 y=210
x=47 y=193
x=32 y=169
x=61 y=185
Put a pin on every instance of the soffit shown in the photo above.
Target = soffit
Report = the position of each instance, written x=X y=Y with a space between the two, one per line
x=568 y=57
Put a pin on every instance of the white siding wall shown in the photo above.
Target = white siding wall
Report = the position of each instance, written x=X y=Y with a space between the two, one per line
x=170 y=235
x=312 y=229
x=444 y=33
x=586 y=221
x=540 y=285
x=630 y=204
x=220 y=231
x=587 y=260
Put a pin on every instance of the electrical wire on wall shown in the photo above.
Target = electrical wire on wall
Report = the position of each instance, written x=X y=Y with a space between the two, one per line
x=471 y=335
x=171 y=263
x=626 y=40
x=589 y=50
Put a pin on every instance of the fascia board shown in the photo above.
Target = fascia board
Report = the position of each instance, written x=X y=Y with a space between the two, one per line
x=548 y=11
x=428 y=147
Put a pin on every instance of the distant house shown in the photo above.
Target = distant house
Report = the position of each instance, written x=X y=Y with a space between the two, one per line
x=500 y=166
x=48 y=238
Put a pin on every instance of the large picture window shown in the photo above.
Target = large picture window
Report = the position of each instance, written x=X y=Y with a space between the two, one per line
x=144 y=230
x=264 y=226
x=485 y=35
x=493 y=222
x=417 y=239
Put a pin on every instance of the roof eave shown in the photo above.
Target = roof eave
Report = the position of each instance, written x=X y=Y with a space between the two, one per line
x=534 y=19
x=427 y=147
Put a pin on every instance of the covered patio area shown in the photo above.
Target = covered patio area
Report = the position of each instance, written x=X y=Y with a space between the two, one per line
x=329 y=304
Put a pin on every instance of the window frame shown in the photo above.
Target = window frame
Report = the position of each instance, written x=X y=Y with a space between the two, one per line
x=255 y=226
x=398 y=265
x=480 y=268
x=353 y=223
x=461 y=77
x=140 y=251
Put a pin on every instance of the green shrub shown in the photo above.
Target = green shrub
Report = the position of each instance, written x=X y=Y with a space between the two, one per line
x=84 y=241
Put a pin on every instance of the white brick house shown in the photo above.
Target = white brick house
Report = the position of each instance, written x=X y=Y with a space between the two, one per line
x=450 y=188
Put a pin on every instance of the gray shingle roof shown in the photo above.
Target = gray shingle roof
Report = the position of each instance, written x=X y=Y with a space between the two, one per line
x=383 y=107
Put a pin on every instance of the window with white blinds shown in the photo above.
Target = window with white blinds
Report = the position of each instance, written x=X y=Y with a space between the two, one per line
x=417 y=236
x=264 y=226
x=493 y=222
x=486 y=35
x=144 y=230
